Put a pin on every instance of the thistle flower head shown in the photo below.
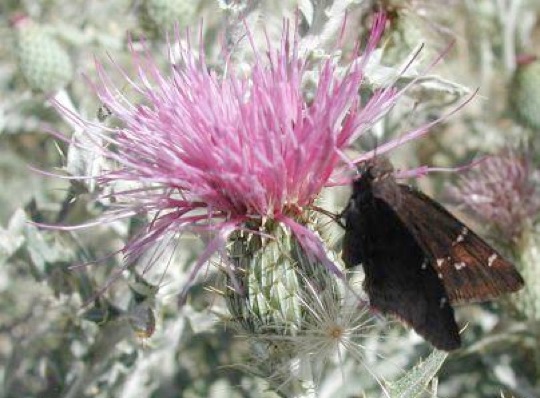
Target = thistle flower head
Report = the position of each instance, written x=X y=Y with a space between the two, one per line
x=214 y=153
x=502 y=191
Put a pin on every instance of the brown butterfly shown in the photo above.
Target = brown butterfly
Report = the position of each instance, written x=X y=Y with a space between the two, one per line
x=418 y=259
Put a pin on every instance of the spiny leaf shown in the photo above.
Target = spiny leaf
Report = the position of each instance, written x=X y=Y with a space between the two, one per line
x=413 y=384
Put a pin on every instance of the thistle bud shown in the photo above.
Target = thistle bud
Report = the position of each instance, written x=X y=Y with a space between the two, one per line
x=43 y=62
x=524 y=92
x=158 y=16
x=263 y=292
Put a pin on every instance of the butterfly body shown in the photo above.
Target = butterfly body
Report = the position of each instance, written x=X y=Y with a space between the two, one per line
x=418 y=258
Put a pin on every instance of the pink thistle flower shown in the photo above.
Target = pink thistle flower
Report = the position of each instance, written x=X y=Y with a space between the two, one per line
x=502 y=192
x=216 y=154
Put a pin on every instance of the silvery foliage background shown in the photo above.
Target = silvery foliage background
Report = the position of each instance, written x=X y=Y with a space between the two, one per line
x=50 y=346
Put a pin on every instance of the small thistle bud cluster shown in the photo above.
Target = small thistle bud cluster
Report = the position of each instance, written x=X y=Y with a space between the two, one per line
x=525 y=92
x=43 y=62
x=159 y=16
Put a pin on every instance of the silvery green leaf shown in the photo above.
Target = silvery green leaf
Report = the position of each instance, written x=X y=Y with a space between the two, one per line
x=414 y=383
x=11 y=239
x=306 y=8
x=436 y=83
x=199 y=322
x=380 y=75
x=326 y=19
x=83 y=159
x=17 y=222
x=411 y=68
x=44 y=248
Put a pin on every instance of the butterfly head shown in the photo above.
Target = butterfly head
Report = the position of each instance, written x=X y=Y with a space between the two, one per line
x=375 y=179
x=373 y=171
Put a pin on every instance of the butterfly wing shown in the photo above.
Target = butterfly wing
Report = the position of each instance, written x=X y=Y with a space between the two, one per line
x=471 y=270
x=398 y=279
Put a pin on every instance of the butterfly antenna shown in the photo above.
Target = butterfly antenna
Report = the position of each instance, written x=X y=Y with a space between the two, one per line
x=335 y=217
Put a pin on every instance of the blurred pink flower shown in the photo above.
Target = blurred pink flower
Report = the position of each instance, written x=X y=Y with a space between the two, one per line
x=502 y=192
